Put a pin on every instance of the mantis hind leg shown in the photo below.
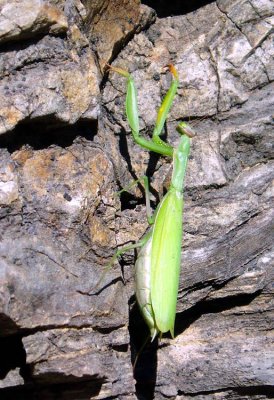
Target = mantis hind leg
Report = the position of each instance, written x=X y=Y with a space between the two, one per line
x=140 y=351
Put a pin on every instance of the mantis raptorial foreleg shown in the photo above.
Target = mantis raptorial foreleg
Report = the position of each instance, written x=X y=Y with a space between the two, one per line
x=156 y=144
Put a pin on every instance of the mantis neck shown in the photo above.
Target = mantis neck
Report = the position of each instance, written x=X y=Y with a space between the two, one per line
x=180 y=158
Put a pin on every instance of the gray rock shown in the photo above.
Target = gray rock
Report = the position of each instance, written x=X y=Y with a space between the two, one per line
x=69 y=332
x=24 y=19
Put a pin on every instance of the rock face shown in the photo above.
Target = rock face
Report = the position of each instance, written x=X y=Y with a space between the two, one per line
x=66 y=330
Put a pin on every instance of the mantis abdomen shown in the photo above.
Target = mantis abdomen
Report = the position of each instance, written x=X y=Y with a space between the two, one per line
x=143 y=285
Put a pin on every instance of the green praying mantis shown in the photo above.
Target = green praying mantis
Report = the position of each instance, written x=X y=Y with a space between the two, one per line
x=157 y=268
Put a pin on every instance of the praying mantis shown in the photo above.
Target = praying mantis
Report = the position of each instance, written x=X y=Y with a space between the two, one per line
x=157 y=268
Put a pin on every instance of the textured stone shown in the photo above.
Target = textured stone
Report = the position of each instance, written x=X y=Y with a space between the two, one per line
x=64 y=90
x=12 y=379
x=60 y=190
x=22 y=19
x=85 y=358
x=111 y=24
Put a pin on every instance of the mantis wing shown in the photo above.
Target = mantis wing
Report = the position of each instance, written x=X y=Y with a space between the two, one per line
x=166 y=259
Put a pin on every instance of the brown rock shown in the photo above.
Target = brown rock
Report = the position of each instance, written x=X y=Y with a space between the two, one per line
x=111 y=24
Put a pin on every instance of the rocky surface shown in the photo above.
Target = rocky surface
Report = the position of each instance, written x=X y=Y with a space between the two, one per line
x=65 y=151
x=110 y=24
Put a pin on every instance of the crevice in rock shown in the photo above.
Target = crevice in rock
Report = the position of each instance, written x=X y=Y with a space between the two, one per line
x=46 y=50
x=98 y=291
x=208 y=284
x=43 y=132
x=106 y=331
x=227 y=303
x=13 y=354
x=188 y=317
x=175 y=7
x=128 y=200
x=84 y=388
x=263 y=390
x=120 y=348
x=20 y=333
x=24 y=42
x=145 y=371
